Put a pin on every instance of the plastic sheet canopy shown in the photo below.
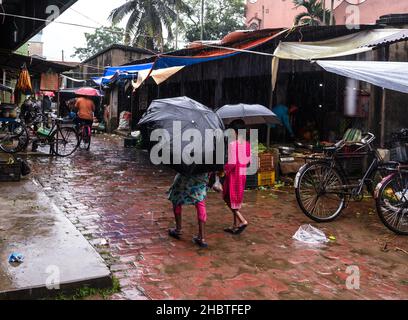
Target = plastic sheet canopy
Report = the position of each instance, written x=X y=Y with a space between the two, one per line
x=389 y=75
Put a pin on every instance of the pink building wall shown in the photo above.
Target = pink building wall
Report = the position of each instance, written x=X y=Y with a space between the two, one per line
x=281 y=13
x=371 y=10
x=274 y=13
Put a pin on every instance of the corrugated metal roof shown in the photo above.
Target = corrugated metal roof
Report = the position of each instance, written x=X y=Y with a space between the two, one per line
x=400 y=36
x=296 y=34
x=120 y=47
x=14 y=61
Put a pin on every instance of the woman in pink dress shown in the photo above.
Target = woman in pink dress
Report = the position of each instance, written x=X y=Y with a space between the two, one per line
x=239 y=155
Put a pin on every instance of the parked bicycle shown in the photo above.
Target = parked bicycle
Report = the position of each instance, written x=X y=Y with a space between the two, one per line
x=323 y=187
x=62 y=139
x=391 y=198
x=13 y=135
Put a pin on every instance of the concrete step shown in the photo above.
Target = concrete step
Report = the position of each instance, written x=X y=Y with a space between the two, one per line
x=57 y=257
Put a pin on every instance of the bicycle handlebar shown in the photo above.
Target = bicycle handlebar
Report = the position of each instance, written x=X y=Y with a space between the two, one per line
x=368 y=138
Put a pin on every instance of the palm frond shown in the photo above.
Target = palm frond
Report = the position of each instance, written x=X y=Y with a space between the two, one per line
x=118 y=14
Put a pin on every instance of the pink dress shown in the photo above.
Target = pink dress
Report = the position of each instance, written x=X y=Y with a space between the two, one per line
x=239 y=156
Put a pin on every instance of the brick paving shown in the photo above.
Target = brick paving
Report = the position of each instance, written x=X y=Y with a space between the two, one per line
x=112 y=194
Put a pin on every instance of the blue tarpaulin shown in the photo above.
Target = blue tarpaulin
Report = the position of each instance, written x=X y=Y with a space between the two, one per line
x=173 y=61
x=110 y=71
x=114 y=73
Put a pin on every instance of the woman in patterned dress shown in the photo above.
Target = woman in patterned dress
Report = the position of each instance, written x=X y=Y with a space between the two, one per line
x=190 y=190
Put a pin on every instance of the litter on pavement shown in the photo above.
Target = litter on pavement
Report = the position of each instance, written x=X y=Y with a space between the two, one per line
x=16 y=258
x=310 y=235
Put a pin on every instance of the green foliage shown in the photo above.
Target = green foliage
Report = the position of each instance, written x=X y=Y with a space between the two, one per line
x=147 y=21
x=86 y=292
x=99 y=40
x=314 y=14
x=221 y=17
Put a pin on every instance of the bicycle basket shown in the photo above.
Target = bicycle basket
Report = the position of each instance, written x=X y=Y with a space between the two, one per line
x=353 y=160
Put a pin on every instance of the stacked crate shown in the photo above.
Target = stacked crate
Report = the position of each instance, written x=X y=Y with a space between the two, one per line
x=10 y=169
x=266 y=171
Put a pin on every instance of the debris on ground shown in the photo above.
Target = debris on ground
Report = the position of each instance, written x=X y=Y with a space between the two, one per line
x=16 y=258
x=402 y=250
x=310 y=235
x=332 y=238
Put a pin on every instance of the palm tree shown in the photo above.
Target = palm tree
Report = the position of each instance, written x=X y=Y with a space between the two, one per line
x=147 y=20
x=314 y=14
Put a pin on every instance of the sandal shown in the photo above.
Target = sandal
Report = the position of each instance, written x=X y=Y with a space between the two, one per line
x=240 y=229
x=174 y=234
x=200 y=243
x=230 y=230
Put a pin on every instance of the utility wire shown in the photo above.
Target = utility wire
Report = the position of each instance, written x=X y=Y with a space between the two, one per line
x=85 y=16
x=45 y=20
x=239 y=50
x=72 y=24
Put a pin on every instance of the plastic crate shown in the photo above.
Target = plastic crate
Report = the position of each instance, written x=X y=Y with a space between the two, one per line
x=266 y=163
x=399 y=154
x=252 y=181
x=266 y=179
x=10 y=172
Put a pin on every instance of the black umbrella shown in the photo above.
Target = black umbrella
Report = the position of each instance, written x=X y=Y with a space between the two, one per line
x=251 y=114
x=185 y=114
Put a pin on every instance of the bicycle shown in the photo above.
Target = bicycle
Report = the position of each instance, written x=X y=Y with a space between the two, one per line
x=85 y=136
x=391 y=197
x=323 y=187
x=62 y=139
x=13 y=135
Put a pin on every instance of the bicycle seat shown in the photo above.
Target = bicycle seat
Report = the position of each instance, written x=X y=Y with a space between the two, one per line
x=62 y=121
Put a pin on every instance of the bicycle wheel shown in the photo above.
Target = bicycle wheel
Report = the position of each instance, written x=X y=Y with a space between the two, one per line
x=13 y=137
x=85 y=143
x=392 y=202
x=320 y=191
x=64 y=141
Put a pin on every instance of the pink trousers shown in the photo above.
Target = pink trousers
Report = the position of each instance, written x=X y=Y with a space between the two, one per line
x=201 y=211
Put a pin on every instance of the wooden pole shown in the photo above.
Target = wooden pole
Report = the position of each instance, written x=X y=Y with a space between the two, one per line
x=4 y=83
x=384 y=101
x=177 y=29
x=332 y=12
x=383 y=110
x=202 y=20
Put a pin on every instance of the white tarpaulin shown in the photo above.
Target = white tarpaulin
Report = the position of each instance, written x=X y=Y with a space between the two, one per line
x=389 y=75
x=336 y=47
x=159 y=76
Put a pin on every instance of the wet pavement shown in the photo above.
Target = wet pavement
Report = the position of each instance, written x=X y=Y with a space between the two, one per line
x=56 y=255
x=117 y=200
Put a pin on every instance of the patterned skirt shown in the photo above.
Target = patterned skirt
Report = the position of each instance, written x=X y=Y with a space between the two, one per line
x=188 y=190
